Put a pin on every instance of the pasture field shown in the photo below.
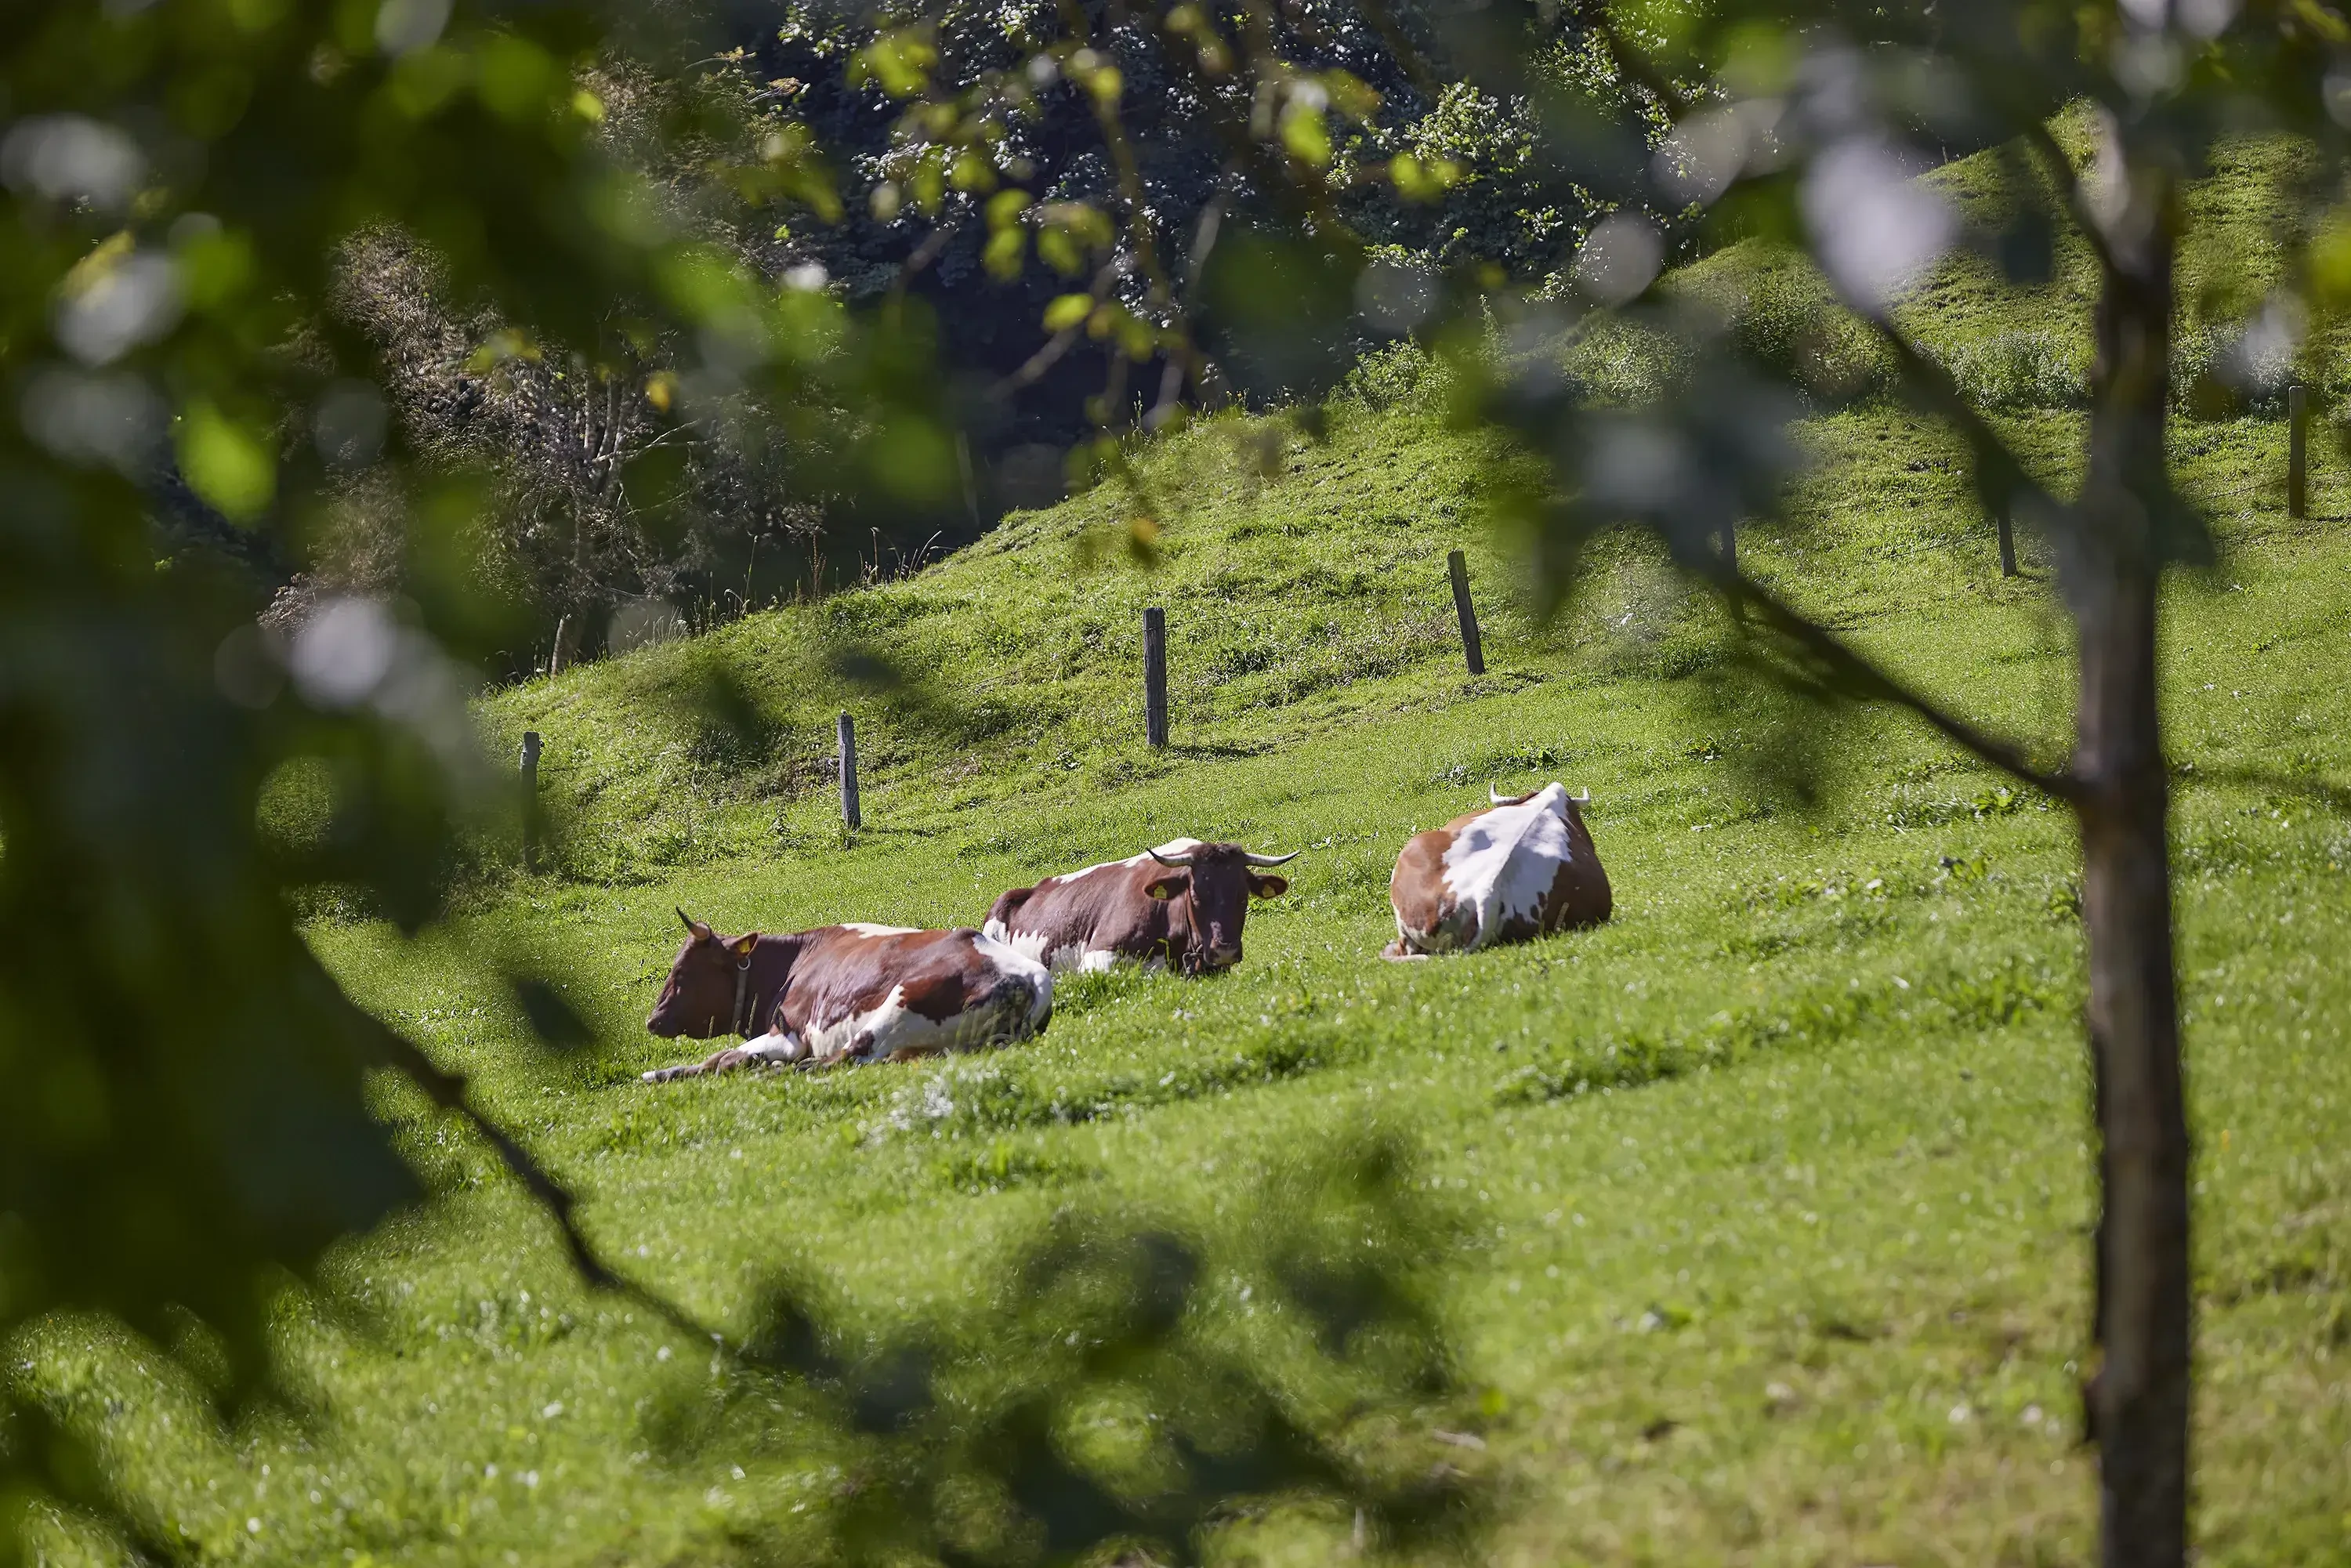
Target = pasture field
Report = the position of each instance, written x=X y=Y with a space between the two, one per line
x=1777 y=1182
x=1779 y=1179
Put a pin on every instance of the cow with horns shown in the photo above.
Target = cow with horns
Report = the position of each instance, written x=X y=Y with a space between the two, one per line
x=846 y=993
x=1522 y=868
x=1181 y=905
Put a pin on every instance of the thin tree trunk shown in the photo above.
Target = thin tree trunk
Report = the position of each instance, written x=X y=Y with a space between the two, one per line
x=2138 y=1395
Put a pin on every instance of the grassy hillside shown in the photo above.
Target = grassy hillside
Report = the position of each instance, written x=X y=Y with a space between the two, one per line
x=1778 y=1179
x=1301 y=563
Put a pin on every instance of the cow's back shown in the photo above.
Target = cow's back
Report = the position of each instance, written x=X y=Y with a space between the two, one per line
x=878 y=991
x=1087 y=918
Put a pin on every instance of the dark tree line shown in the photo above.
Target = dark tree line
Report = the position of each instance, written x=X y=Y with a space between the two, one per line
x=1079 y=260
x=1011 y=111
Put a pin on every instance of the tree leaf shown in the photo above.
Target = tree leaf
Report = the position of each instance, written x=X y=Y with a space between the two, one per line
x=233 y=467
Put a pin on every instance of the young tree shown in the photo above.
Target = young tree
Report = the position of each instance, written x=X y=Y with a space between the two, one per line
x=1813 y=121
x=1863 y=92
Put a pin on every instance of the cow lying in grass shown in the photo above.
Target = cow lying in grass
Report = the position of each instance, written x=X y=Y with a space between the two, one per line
x=846 y=993
x=1181 y=905
x=1522 y=868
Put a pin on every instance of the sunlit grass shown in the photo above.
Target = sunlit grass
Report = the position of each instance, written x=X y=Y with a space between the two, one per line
x=1779 y=1180
x=1780 y=1174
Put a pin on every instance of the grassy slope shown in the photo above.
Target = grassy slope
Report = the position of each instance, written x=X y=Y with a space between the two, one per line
x=1008 y=670
x=1780 y=1176
x=1304 y=581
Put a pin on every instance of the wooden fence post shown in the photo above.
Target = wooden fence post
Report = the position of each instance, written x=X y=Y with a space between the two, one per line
x=530 y=796
x=1155 y=676
x=1472 y=648
x=849 y=813
x=2007 y=527
x=2297 y=451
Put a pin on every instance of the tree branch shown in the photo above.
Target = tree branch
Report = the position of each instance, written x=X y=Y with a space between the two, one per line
x=1863 y=676
x=1059 y=344
x=923 y=254
x=1307 y=207
x=2061 y=173
x=2000 y=474
x=1138 y=212
x=1204 y=233
x=448 y=1091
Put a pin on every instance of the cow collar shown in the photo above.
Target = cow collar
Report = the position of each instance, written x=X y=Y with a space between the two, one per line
x=741 y=1017
x=1195 y=957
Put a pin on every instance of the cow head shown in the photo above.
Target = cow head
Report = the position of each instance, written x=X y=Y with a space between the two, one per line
x=706 y=990
x=1220 y=880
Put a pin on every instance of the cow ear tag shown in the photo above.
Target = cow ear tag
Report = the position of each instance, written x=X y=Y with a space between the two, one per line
x=741 y=946
x=1269 y=887
x=1165 y=888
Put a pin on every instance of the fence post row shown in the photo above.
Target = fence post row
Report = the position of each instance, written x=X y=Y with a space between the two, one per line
x=1472 y=647
x=848 y=812
x=1155 y=676
x=529 y=795
x=2297 y=451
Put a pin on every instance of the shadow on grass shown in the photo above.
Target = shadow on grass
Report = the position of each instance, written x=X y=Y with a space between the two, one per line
x=1279 y=1367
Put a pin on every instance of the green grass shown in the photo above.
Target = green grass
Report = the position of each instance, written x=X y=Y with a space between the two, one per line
x=1778 y=1180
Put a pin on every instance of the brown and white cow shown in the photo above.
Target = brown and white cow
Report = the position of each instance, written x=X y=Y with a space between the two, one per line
x=846 y=993
x=1181 y=905
x=1524 y=867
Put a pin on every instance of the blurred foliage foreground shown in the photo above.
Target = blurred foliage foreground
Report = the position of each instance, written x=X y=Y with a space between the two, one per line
x=185 y=1120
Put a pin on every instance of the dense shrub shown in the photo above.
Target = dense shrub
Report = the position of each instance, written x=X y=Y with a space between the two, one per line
x=1618 y=362
x=2036 y=368
x=1782 y=317
x=1399 y=377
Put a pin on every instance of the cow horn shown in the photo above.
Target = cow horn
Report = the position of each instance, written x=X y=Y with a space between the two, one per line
x=1184 y=859
x=1271 y=860
x=1585 y=799
x=690 y=925
x=1496 y=798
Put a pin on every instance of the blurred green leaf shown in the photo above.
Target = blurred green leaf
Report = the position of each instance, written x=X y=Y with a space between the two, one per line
x=1305 y=134
x=229 y=463
x=1068 y=310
